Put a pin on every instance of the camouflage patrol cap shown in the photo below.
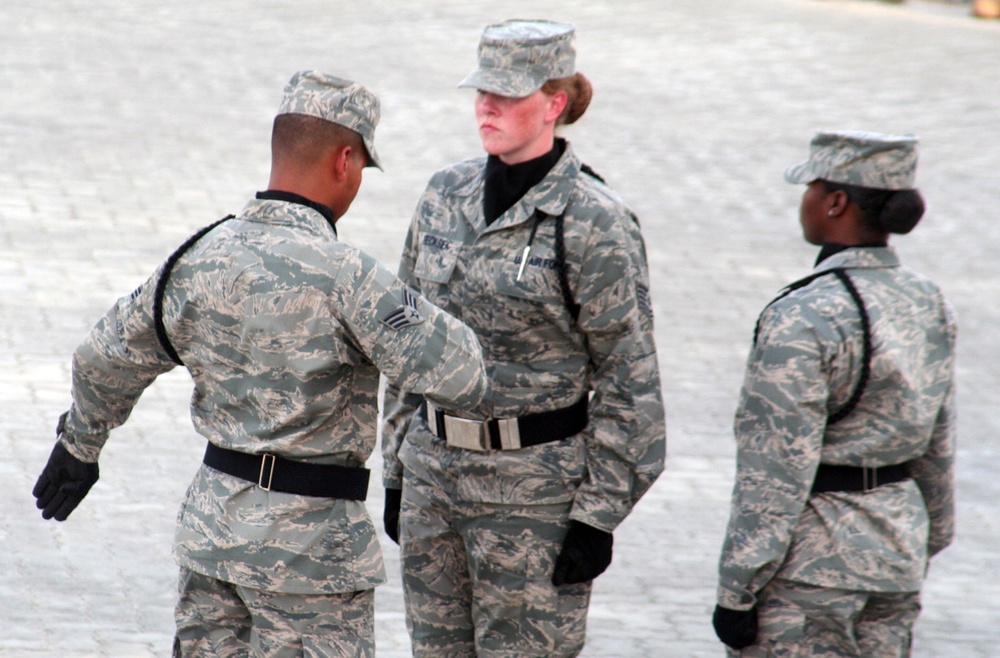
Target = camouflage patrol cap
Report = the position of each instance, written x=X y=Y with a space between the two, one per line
x=517 y=57
x=886 y=162
x=336 y=100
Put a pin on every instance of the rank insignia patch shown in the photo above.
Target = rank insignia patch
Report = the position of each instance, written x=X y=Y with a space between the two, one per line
x=406 y=315
x=645 y=303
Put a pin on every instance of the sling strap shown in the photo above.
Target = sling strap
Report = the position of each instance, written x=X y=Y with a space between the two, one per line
x=161 y=286
x=866 y=349
x=562 y=270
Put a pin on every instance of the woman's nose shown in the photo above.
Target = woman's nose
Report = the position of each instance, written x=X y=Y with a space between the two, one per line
x=486 y=102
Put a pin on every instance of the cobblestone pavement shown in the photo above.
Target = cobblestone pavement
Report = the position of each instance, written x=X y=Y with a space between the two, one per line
x=125 y=126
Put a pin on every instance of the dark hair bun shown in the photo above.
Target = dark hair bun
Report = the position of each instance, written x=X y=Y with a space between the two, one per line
x=902 y=211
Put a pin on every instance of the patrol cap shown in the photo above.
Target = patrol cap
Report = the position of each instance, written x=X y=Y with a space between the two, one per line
x=518 y=56
x=336 y=100
x=885 y=162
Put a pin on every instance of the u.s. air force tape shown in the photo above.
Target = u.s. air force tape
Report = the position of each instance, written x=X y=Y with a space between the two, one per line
x=406 y=315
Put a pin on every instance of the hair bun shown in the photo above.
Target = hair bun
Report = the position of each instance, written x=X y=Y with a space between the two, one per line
x=902 y=211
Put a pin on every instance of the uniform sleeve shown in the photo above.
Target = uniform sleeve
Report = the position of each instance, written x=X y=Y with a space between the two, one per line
x=117 y=361
x=626 y=433
x=934 y=471
x=399 y=406
x=416 y=345
x=779 y=429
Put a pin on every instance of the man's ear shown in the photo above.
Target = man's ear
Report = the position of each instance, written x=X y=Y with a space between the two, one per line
x=340 y=158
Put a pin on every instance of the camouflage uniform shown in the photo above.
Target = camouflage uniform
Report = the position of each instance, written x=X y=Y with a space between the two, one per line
x=284 y=330
x=791 y=552
x=492 y=522
x=482 y=532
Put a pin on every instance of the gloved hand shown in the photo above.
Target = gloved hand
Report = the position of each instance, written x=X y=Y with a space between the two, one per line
x=736 y=628
x=585 y=554
x=64 y=482
x=390 y=516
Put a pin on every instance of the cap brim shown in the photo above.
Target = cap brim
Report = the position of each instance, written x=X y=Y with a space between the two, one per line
x=501 y=82
x=373 y=159
x=800 y=173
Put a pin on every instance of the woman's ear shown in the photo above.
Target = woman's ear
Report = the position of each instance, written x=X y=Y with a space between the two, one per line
x=836 y=203
x=557 y=103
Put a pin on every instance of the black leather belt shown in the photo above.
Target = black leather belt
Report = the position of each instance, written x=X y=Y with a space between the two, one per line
x=273 y=473
x=508 y=433
x=856 y=478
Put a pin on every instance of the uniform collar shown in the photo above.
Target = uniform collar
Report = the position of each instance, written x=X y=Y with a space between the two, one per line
x=291 y=197
x=550 y=196
x=857 y=257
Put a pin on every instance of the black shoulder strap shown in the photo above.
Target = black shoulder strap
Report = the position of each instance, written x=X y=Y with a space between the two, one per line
x=587 y=169
x=563 y=269
x=560 y=247
x=866 y=349
x=789 y=289
x=560 y=254
x=161 y=285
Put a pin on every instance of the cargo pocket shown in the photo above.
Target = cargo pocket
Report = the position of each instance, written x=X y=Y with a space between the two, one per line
x=517 y=608
x=346 y=627
x=339 y=644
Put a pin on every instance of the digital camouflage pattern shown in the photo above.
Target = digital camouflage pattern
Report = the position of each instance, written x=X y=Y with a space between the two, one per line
x=335 y=100
x=478 y=576
x=832 y=623
x=517 y=57
x=279 y=625
x=281 y=327
x=805 y=365
x=539 y=359
x=885 y=162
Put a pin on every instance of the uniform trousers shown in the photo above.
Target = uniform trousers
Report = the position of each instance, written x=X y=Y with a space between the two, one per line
x=799 y=620
x=217 y=619
x=477 y=577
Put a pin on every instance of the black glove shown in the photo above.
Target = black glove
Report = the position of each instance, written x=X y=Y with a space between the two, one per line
x=390 y=517
x=585 y=554
x=63 y=483
x=736 y=628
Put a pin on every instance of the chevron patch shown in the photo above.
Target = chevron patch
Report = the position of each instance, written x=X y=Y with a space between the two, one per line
x=406 y=315
x=645 y=303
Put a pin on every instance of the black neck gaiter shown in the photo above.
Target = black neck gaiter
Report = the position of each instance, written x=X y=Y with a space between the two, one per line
x=505 y=184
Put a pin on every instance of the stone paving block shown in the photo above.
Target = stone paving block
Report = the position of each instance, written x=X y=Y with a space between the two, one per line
x=125 y=127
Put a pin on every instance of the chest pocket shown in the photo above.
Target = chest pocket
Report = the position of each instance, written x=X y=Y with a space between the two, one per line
x=538 y=268
x=539 y=282
x=532 y=307
x=434 y=267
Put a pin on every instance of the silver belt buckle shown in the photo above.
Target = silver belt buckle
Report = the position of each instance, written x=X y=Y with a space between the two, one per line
x=474 y=434
x=510 y=434
x=467 y=434
x=266 y=472
x=869 y=478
